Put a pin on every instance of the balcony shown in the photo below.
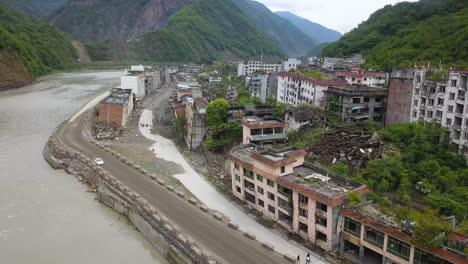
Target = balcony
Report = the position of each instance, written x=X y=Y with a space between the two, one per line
x=321 y=213
x=304 y=206
x=268 y=137
x=457 y=127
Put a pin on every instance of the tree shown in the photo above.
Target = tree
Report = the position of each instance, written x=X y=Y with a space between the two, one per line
x=217 y=112
x=354 y=198
x=403 y=192
x=429 y=229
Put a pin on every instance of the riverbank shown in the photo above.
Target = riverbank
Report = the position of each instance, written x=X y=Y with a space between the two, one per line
x=47 y=216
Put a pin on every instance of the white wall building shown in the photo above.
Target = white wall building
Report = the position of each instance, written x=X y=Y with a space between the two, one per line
x=295 y=90
x=359 y=77
x=443 y=102
x=255 y=66
x=291 y=64
x=141 y=80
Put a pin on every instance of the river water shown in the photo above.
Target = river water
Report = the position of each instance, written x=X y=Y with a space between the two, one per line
x=46 y=216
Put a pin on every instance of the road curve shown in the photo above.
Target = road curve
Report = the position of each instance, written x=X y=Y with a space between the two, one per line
x=232 y=246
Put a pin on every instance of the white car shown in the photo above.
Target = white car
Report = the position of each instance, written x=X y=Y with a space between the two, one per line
x=98 y=161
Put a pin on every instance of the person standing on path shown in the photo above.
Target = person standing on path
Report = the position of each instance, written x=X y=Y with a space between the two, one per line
x=308 y=258
x=298 y=260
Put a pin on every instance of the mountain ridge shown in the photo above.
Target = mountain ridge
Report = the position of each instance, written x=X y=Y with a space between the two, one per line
x=319 y=33
x=406 y=34
x=30 y=48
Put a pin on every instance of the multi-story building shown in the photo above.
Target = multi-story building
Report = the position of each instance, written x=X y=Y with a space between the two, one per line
x=355 y=103
x=231 y=94
x=369 y=236
x=295 y=90
x=400 y=87
x=116 y=108
x=256 y=66
x=359 y=77
x=141 y=80
x=291 y=64
x=442 y=99
x=258 y=86
x=263 y=130
x=195 y=126
x=302 y=198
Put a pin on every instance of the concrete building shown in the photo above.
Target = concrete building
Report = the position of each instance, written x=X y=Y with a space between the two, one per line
x=263 y=131
x=442 y=100
x=258 y=86
x=355 y=103
x=141 y=80
x=359 y=77
x=231 y=94
x=116 y=108
x=400 y=87
x=370 y=237
x=301 y=198
x=336 y=64
x=295 y=90
x=195 y=115
x=291 y=64
x=255 y=66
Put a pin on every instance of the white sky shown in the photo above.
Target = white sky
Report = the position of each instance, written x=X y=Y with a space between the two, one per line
x=341 y=15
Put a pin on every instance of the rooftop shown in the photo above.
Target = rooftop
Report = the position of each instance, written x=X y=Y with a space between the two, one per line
x=305 y=178
x=254 y=122
x=360 y=74
x=320 y=181
x=357 y=90
x=119 y=96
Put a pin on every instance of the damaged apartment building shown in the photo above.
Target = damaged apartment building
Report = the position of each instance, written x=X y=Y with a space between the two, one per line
x=431 y=95
x=302 y=198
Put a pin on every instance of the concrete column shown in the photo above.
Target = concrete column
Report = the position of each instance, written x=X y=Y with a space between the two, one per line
x=411 y=255
x=361 y=255
x=371 y=108
x=295 y=213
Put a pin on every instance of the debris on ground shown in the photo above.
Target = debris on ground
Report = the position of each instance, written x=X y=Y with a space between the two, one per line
x=350 y=143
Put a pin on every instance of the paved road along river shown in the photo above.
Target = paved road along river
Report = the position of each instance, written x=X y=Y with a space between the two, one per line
x=45 y=215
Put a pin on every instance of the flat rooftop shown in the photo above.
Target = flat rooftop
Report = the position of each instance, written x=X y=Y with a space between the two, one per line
x=307 y=176
x=258 y=122
x=320 y=181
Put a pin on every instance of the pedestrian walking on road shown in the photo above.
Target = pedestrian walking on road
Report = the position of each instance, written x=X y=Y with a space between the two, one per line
x=308 y=258
x=298 y=260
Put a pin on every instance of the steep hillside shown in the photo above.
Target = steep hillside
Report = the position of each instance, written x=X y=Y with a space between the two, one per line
x=35 y=8
x=206 y=30
x=317 y=32
x=408 y=33
x=29 y=48
x=120 y=20
x=289 y=38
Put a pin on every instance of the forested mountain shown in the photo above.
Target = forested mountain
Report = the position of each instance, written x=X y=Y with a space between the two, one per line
x=408 y=33
x=206 y=30
x=317 y=32
x=35 y=8
x=29 y=48
x=290 y=38
x=116 y=20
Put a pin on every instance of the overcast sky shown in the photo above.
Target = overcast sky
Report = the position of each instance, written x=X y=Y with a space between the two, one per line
x=341 y=15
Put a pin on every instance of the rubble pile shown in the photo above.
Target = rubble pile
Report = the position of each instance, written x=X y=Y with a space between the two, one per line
x=350 y=144
x=108 y=133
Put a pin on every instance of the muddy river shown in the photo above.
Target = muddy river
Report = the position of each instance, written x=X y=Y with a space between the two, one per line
x=47 y=216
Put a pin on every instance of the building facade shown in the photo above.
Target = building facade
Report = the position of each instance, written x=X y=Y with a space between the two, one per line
x=303 y=199
x=258 y=86
x=295 y=90
x=195 y=115
x=357 y=103
x=442 y=100
x=263 y=130
x=400 y=87
x=368 y=238
x=291 y=64
x=116 y=108
x=255 y=66
x=357 y=76
x=142 y=80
